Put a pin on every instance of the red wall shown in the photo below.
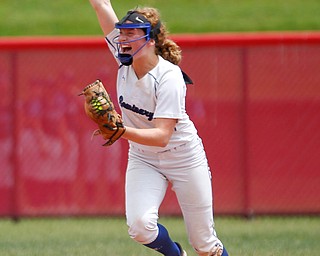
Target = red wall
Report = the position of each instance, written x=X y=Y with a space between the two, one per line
x=255 y=102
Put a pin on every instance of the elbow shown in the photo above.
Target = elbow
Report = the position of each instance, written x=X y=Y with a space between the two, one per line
x=164 y=139
x=163 y=142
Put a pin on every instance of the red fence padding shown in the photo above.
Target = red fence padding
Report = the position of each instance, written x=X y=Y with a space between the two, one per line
x=255 y=102
x=187 y=40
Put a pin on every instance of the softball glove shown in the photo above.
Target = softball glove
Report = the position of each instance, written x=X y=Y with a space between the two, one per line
x=99 y=108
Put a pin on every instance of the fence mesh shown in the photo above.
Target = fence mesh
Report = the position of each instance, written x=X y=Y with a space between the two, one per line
x=256 y=107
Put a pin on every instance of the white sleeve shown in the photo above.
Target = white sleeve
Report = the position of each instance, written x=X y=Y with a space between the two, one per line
x=112 y=46
x=170 y=95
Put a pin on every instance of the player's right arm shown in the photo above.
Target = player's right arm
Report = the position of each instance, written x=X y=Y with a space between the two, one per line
x=106 y=15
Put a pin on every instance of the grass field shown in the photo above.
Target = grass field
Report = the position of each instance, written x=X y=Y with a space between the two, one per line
x=76 y=17
x=264 y=236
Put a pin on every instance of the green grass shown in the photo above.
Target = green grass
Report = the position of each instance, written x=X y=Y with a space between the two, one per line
x=76 y=17
x=263 y=236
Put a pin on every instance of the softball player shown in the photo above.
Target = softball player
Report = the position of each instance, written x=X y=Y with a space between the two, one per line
x=164 y=144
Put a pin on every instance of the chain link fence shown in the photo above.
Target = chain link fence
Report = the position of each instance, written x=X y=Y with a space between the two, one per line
x=255 y=102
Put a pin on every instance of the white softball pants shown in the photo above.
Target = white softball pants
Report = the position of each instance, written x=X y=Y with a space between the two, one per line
x=147 y=178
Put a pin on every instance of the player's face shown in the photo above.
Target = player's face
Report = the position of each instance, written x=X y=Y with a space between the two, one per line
x=129 y=39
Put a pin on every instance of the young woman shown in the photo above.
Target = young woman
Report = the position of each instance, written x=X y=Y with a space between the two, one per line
x=164 y=144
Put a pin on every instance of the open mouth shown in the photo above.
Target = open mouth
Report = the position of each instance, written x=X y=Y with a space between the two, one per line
x=126 y=49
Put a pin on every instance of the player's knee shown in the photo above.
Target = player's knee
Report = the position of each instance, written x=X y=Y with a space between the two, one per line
x=144 y=229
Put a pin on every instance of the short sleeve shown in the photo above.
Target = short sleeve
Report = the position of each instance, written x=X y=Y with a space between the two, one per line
x=112 y=46
x=170 y=95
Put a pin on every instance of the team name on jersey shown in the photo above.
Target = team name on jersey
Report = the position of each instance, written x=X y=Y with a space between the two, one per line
x=135 y=109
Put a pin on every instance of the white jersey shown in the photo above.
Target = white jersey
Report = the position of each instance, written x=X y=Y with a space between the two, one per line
x=160 y=93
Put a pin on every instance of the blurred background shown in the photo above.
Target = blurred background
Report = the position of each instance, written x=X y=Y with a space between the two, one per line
x=255 y=102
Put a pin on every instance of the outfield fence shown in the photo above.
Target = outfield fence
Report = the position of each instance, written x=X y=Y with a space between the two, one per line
x=255 y=102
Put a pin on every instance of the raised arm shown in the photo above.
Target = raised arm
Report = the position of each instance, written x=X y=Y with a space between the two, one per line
x=106 y=15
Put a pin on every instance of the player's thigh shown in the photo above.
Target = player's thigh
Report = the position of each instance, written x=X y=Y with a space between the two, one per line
x=145 y=190
x=195 y=189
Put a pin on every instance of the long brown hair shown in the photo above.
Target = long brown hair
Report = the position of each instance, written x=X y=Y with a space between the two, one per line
x=165 y=47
